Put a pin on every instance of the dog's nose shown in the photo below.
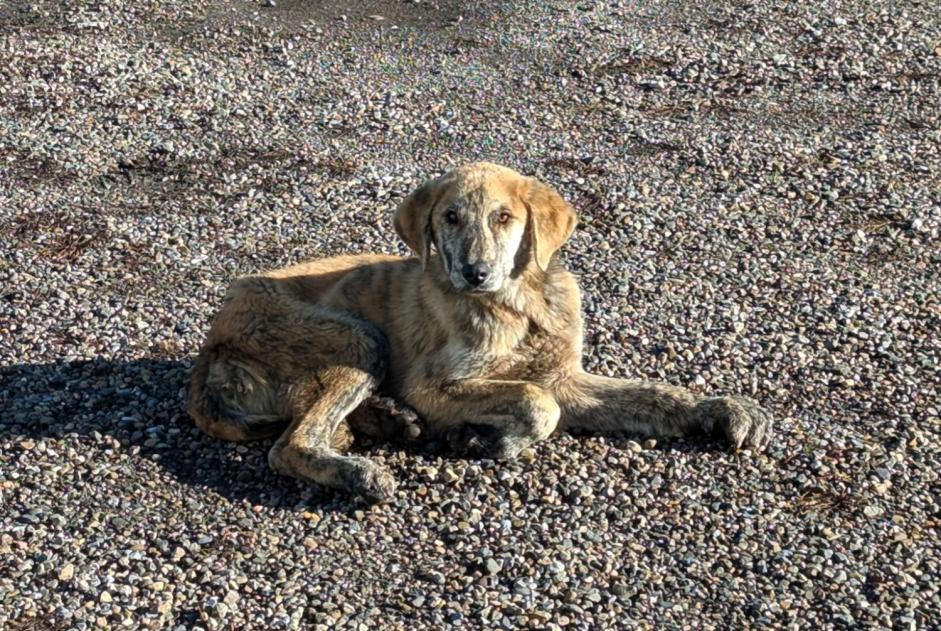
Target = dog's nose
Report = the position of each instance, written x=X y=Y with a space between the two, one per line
x=476 y=273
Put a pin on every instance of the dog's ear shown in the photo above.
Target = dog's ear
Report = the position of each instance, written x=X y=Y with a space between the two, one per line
x=413 y=218
x=552 y=221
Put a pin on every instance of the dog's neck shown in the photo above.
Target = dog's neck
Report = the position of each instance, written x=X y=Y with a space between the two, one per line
x=540 y=297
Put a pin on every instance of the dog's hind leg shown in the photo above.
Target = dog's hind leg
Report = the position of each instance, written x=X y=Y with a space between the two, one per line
x=321 y=401
x=233 y=399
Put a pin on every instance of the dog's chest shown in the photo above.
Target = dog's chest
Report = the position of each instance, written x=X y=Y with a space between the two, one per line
x=505 y=353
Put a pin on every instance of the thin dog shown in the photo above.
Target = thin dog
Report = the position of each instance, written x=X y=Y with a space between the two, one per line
x=480 y=333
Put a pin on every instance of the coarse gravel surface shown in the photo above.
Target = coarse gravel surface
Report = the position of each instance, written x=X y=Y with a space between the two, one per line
x=759 y=187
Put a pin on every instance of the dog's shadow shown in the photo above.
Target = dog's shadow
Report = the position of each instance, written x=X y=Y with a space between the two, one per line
x=139 y=407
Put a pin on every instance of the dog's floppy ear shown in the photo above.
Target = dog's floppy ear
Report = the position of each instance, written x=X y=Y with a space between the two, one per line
x=552 y=220
x=413 y=218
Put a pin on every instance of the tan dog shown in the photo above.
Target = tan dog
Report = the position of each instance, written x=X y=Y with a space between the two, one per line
x=483 y=338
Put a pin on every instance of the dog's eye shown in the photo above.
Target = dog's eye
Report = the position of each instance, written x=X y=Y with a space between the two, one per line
x=503 y=217
x=451 y=217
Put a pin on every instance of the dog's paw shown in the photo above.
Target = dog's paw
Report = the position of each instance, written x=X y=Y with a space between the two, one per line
x=472 y=440
x=395 y=420
x=742 y=422
x=485 y=441
x=370 y=481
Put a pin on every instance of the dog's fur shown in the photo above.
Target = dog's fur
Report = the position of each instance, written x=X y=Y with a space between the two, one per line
x=496 y=366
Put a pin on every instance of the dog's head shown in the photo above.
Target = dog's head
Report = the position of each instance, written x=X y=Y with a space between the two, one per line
x=488 y=223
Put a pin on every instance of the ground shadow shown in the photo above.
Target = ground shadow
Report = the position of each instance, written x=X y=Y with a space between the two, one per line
x=141 y=405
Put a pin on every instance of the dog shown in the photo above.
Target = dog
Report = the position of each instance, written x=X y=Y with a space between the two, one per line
x=480 y=333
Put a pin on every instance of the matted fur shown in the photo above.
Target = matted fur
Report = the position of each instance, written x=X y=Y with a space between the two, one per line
x=494 y=366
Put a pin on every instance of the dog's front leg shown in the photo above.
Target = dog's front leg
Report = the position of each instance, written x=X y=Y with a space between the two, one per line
x=649 y=408
x=488 y=417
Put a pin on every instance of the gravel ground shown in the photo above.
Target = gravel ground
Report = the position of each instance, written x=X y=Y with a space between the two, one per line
x=760 y=192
